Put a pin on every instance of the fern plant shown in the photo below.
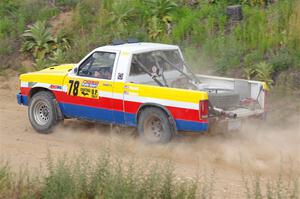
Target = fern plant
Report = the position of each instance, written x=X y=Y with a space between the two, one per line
x=154 y=28
x=38 y=40
x=249 y=72
x=62 y=42
x=58 y=57
x=264 y=72
x=159 y=17
x=161 y=8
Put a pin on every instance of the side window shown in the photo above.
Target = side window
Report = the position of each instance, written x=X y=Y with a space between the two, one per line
x=145 y=59
x=98 y=65
x=162 y=60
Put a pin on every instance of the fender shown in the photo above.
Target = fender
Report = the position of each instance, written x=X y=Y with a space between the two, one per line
x=35 y=90
x=170 y=117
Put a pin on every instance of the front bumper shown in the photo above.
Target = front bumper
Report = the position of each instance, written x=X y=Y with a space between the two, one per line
x=22 y=99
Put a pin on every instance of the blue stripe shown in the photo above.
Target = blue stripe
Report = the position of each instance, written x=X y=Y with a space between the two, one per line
x=97 y=114
x=22 y=99
x=183 y=125
x=119 y=117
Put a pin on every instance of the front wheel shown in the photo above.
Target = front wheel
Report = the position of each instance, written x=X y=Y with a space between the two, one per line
x=42 y=112
x=154 y=126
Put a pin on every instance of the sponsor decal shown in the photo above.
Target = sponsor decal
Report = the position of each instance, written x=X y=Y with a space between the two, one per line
x=31 y=84
x=95 y=93
x=55 y=87
x=120 y=76
x=89 y=92
x=85 y=91
x=134 y=88
x=90 y=83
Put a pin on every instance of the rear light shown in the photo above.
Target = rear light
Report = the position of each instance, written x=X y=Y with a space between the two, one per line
x=203 y=109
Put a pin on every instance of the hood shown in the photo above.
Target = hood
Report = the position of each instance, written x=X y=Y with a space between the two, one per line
x=61 y=69
x=52 y=74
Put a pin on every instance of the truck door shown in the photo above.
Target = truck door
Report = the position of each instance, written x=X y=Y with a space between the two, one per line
x=89 y=88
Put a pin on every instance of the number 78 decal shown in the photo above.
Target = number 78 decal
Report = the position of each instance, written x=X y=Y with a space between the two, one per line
x=88 y=89
x=74 y=85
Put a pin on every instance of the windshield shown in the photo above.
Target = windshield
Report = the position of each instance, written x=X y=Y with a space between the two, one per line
x=98 y=65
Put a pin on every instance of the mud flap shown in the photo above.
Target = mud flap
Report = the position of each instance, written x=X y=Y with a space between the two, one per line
x=58 y=110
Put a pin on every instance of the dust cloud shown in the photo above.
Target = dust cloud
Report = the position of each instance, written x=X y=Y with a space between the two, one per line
x=260 y=146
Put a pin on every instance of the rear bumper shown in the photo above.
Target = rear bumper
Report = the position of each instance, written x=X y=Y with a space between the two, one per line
x=229 y=124
x=22 y=99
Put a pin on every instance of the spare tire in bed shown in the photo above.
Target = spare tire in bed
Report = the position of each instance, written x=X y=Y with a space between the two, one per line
x=224 y=100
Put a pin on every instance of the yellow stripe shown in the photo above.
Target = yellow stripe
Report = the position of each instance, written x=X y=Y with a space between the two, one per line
x=43 y=78
x=181 y=95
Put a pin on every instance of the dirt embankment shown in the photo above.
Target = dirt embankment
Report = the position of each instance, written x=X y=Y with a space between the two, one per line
x=261 y=147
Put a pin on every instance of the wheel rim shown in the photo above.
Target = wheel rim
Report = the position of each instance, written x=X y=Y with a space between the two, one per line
x=41 y=113
x=153 y=128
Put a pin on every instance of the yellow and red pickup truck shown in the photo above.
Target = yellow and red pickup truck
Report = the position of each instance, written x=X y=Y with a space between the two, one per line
x=145 y=85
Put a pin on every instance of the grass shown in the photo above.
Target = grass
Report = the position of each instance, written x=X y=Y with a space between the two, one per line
x=113 y=177
x=282 y=186
x=108 y=177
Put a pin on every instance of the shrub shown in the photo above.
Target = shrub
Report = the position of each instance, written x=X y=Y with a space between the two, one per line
x=67 y=3
x=6 y=46
x=38 y=40
x=263 y=72
x=45 y=48
x=5 y=180
x=282 y=60
x=285 y=186
x=113 y=178
x=59 y=183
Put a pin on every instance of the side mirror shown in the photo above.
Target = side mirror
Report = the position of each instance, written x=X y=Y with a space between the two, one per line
x=75 y=70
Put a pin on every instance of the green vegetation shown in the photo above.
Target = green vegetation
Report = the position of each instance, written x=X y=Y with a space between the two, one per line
x=108 y=177
x=39 y=41
x=281 y=187
x=113 y=177
x=261 y=46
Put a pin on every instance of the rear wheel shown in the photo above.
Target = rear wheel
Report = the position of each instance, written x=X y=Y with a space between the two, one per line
x=42 y=112
x=154 y=126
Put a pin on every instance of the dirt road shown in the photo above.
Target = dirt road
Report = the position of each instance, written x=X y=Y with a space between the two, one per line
x=259 y=147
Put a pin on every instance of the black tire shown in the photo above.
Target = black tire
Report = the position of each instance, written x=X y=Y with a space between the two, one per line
x=42 y=112
x=154 y=126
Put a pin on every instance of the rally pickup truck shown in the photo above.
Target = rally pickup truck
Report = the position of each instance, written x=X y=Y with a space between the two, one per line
x=144 y=85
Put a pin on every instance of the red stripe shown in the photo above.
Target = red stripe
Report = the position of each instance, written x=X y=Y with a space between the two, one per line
x=178 y=113
x=185 y=114
x=132 y=107
x=25 y=90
